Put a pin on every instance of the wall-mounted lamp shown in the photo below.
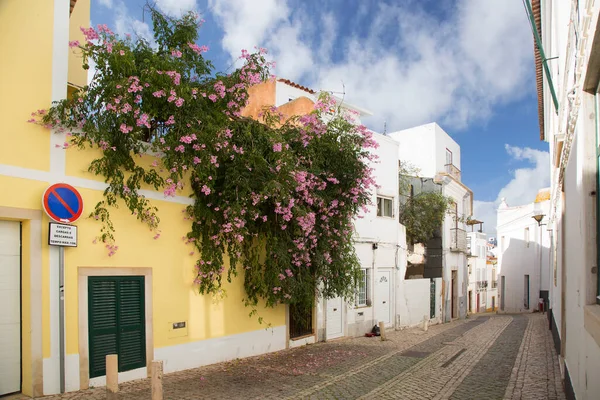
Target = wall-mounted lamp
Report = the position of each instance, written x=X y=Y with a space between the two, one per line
x=375 y=246
x=539 y=218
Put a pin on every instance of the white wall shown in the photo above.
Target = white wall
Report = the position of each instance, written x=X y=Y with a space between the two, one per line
x=517 y=257
x=417 y=147
x=574 y=219
x=387 y=234
x=413 y=304
x=425 y=147
x=443 y=142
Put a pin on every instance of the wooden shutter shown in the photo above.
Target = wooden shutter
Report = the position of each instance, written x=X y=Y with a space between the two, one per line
x=116 y=322
x=132 y=338
x=103 y=329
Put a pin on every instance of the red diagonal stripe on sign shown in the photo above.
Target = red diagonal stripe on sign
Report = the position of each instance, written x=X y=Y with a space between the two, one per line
x=64 y=203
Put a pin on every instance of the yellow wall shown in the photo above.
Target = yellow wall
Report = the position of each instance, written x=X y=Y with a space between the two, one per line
x=25 y=80
x=80 y=17
x=175 y=297
x=25 y=86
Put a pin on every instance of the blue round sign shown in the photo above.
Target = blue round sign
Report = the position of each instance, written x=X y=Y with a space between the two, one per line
x=62 y=203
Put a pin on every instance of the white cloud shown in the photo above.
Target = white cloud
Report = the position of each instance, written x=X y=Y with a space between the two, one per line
x=522 y=188
x=248 y=23
x=176 y=8
x=409 y=69
x=106 y=3
x=126 y=24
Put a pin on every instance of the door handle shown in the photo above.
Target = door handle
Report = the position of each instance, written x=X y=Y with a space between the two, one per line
x=335 y=309
x=384 y=302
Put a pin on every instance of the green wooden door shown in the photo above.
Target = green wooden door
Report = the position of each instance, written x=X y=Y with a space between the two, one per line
x=116 y=322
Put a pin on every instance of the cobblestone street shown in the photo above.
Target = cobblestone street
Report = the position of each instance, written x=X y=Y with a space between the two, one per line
x=483 y=357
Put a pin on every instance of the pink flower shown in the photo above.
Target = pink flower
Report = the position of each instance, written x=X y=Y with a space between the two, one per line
x=180 y=148
x=198 y=49
x=277 y=147
x=125 y=129
x=213 y=97
x=74 y=43
x=205 y=189
x=196 y=161
x=179 y=102
x=176 y=53
x=122 y=52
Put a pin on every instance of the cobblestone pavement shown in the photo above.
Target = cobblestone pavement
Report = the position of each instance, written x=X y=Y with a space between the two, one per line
x=486 y=357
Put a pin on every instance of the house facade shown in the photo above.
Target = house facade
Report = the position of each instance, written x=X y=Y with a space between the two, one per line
x=380 y=239
x=151 y=280
x=569 y=121
x=523 y=255
x=148 y=280
x=435 y=155
x=482 y=294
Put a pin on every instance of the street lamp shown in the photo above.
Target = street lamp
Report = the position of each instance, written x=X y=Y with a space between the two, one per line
x=538 y=218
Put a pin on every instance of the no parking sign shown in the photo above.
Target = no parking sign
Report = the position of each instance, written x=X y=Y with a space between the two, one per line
x=62 y=203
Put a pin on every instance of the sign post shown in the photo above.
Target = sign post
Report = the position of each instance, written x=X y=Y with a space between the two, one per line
x=63 y=204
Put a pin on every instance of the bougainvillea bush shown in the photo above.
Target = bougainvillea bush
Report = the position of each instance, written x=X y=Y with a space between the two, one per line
x=274 y=198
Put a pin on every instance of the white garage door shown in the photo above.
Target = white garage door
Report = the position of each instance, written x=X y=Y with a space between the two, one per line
x=335 y=327
x=10 y=307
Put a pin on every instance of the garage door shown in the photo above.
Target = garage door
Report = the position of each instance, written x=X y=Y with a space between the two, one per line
x=10 y=302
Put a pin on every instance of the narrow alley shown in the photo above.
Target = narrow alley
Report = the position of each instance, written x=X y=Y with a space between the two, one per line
x=483 y=357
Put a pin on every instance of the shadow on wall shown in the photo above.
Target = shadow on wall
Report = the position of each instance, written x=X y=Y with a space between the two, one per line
x=518 y=275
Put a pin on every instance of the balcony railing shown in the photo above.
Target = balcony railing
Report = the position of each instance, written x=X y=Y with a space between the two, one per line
x=453 y=171
x=482 y=285
x=458 y=240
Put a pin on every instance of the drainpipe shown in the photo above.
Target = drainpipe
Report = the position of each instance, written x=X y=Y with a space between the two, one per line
x=538 y=44
x=372 y=283
x=325 y=317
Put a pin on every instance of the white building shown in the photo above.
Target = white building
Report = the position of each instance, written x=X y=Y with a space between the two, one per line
x=482 y=294
x=523 y=254
x=568 y=32
x=380 y=243
x=436 y=155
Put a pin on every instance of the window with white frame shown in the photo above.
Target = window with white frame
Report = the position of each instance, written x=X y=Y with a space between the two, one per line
x=385 y=207
x=362 y=294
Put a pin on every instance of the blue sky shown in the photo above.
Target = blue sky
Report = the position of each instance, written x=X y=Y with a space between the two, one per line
x=466 y=64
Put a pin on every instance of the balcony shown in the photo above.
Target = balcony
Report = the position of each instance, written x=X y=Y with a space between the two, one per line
x=482 y=285
x=458 y=240
x=453 y=171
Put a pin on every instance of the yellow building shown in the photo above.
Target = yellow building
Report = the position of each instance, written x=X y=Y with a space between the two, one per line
x=148 y=282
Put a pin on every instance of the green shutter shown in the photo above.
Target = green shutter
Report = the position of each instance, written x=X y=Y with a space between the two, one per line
x=132 y=338
x=116 y=322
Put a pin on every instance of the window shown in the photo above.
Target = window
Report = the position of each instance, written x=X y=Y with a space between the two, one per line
x=362 y=295
x=526 y=237
x=502 y=244
x=385 y=207
x=448 y=157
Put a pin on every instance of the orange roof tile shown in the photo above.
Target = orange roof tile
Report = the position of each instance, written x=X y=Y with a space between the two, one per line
x=294 y=84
